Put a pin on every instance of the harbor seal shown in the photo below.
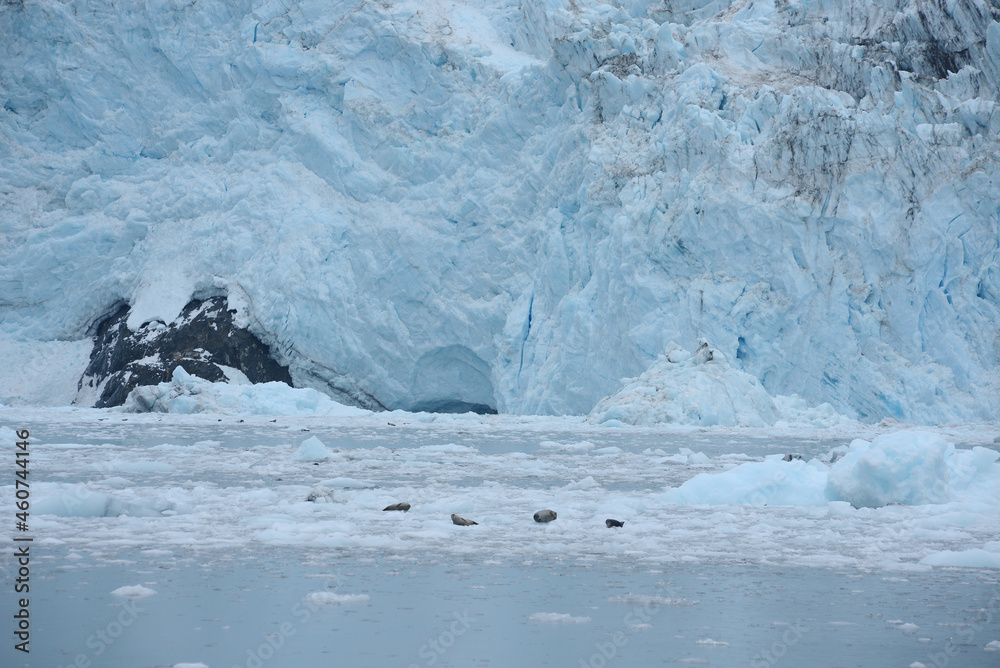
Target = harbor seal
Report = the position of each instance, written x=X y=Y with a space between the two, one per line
x=545 y=515
x=461 y=521
x=398 y=506
x=790 y=456
x=613 y=523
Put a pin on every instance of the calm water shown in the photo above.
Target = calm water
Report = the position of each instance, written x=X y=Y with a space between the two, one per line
x=223 y=611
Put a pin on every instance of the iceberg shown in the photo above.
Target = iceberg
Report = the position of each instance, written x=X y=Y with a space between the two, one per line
x=908 y=468
x=699 y=388
x=311 y=450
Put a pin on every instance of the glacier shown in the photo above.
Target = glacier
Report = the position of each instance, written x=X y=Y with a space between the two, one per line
x=514 y=205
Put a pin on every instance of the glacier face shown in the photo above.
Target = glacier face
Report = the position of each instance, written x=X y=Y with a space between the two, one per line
x=516 y=204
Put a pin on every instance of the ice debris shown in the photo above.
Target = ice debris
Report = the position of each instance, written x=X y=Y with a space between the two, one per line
x=185 y=394
x=907 y=468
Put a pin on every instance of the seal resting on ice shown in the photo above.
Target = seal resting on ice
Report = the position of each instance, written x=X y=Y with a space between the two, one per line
x=461 y=521
x=613 y=523
x=398 y=506
x=545 y=515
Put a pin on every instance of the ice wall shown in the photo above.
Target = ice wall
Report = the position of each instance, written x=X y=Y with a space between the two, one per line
x=516 y=204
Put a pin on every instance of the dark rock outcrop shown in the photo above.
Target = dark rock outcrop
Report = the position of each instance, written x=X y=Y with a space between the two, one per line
x=201 y=339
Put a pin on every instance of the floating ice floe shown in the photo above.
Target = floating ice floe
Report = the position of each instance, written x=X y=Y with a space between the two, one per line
x=311 y=450
x=74 y=500
x=329 y=598
x=557 y=618
x=134 y=466
x=133 y=591
x=581 y=446
x=185 y=393
x=650 y=601
x=912 y=468
x=986 y=557
x=908 y=468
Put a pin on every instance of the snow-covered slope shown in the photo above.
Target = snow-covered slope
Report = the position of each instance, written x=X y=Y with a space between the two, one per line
x=516 y=204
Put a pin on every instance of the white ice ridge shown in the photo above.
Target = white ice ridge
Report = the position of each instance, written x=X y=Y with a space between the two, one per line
x=514 y=204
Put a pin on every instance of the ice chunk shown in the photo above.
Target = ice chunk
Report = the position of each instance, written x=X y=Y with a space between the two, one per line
x=689 y=457
x=581 y=446
x=133 y=591
x=908 y=467
x=77 y=501
x=586 y=483
x=189 y=394
x=311 y=450
x=447 y=448
x=320 y=494
x=769 y=483
x=904 y=467
x=557 y=618
x=650 y=601
x=329 y=598
x=135 y=466
x=974 y=558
